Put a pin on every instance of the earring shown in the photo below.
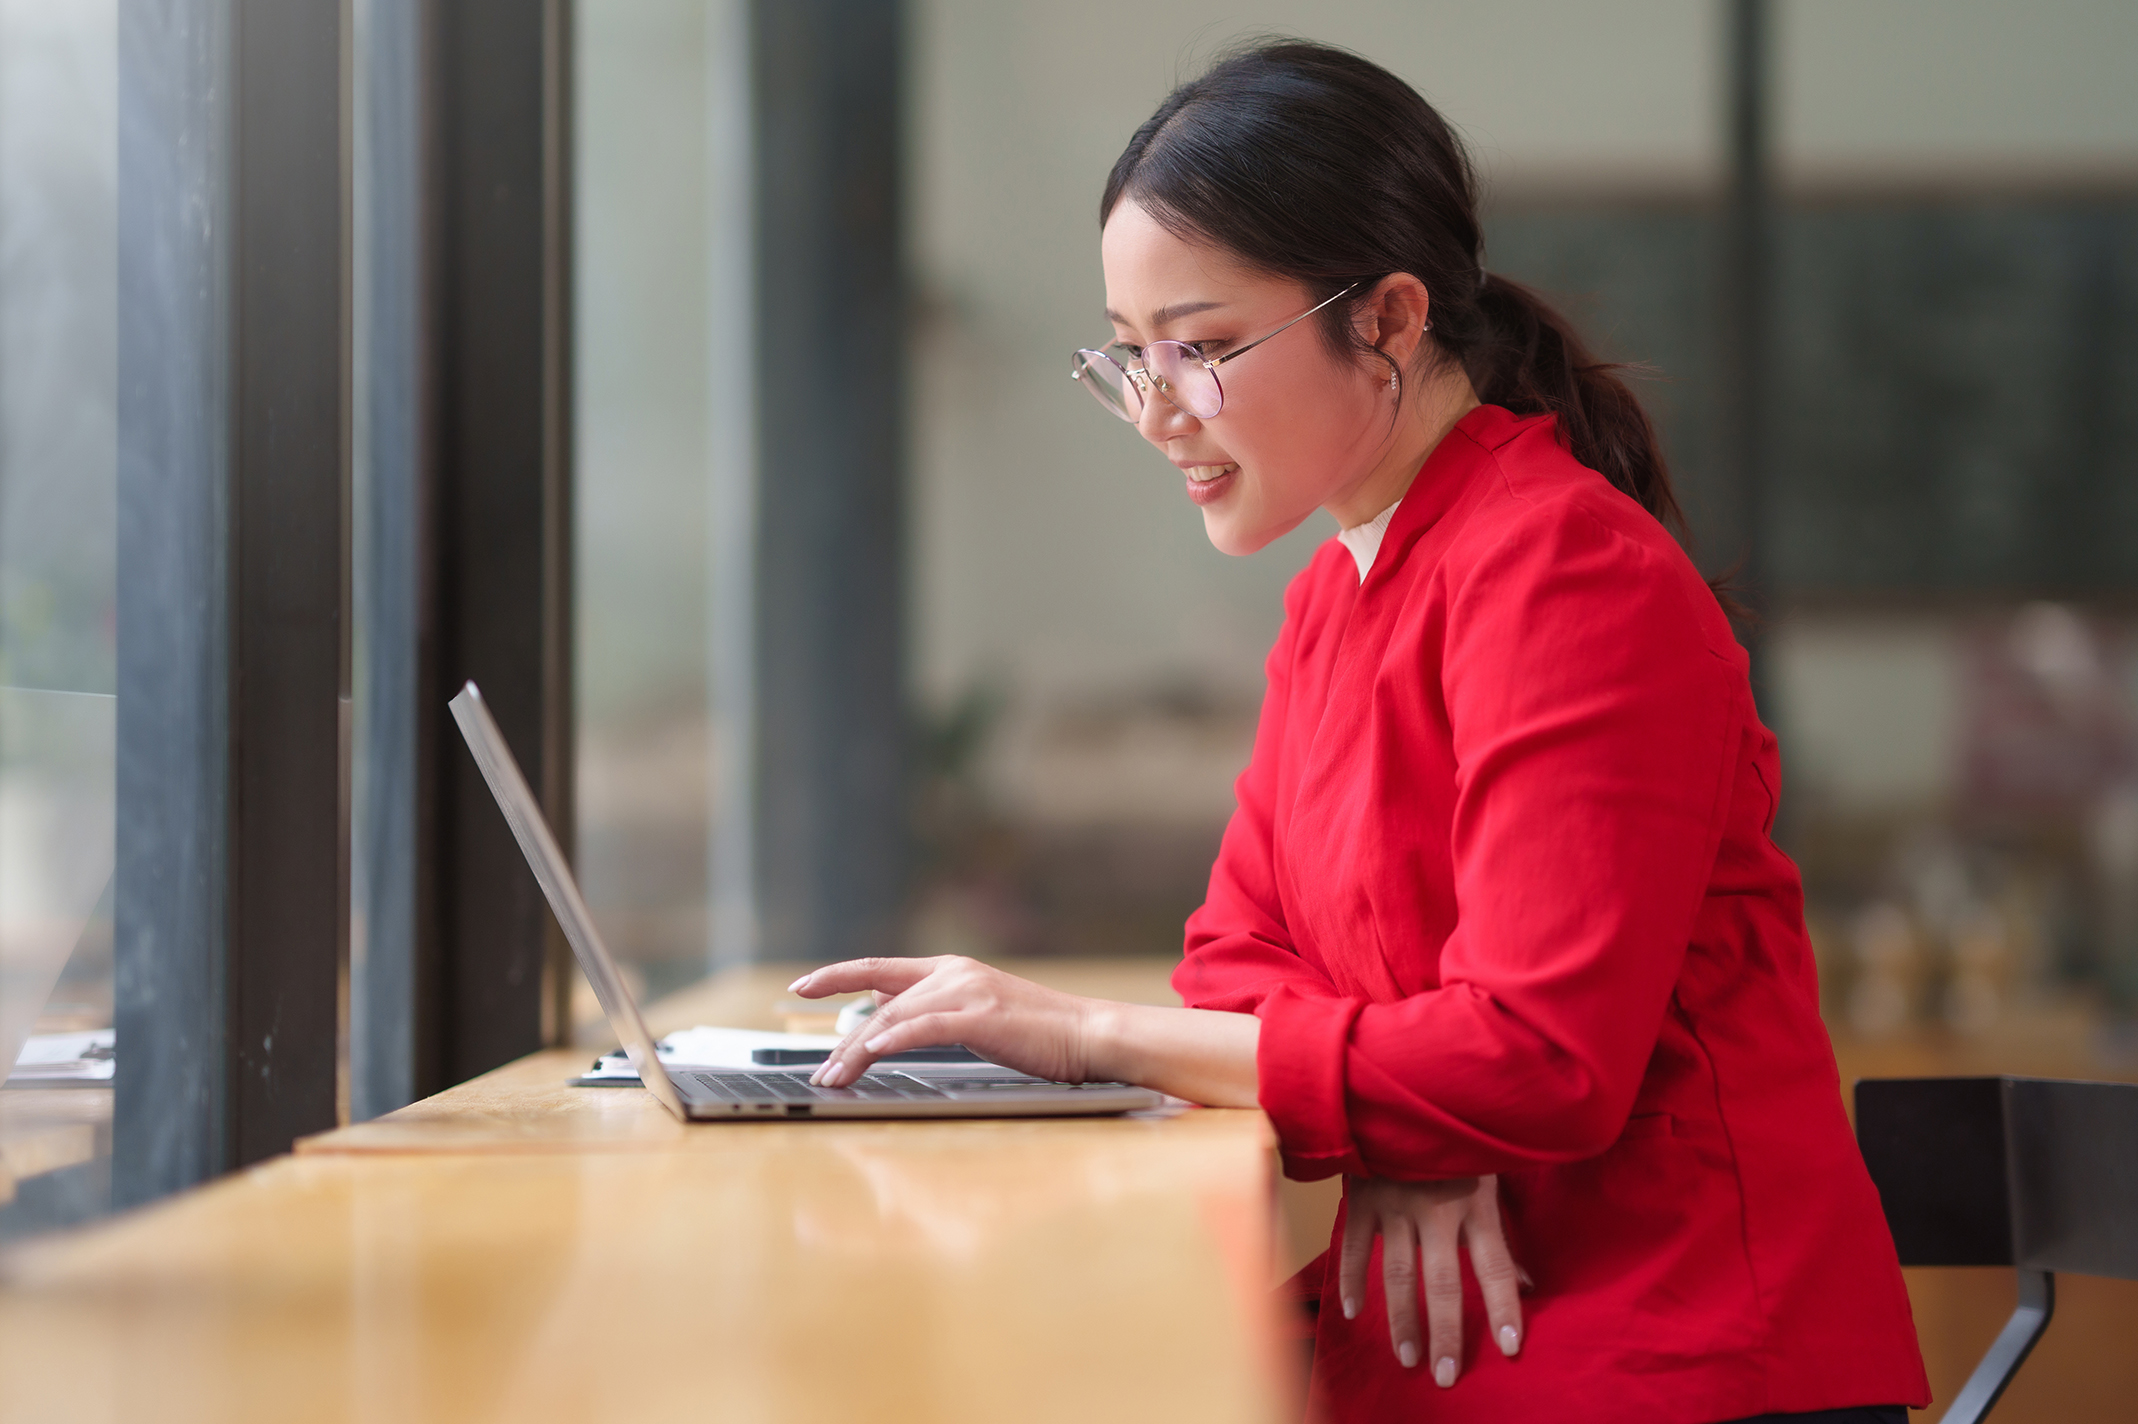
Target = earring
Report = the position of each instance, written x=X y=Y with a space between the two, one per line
x=1392 y=383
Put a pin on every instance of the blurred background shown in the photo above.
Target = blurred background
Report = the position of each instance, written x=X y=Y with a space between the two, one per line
x=1947 y=496
x=1879 y=271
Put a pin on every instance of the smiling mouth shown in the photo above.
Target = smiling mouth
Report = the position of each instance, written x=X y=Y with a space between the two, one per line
x=1207 y=484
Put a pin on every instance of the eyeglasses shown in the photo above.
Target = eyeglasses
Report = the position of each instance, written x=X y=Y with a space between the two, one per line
x=1176 y=370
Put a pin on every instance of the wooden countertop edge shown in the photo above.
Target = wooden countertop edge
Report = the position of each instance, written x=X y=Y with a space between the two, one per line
x=527 y=1107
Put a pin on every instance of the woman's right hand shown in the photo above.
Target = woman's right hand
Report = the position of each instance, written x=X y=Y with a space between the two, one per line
x=1198 y=1054
x=1421 y=1226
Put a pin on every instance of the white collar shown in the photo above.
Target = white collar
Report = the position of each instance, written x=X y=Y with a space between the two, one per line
x=1364 y=540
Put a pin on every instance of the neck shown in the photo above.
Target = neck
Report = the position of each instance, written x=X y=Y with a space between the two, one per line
x=1428 y=414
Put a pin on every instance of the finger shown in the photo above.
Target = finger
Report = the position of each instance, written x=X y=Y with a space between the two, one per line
x=929 y=993
x=1493 y=1265
x=892 y=976
x=1441 y=1232
x=1399 y=1282
x=886 y=1017
x=921 y=1031
x=915 y=1024
x=947 y=984
x=1351 y=1262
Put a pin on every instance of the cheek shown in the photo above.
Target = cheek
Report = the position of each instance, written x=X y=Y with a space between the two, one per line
x=1299 y=435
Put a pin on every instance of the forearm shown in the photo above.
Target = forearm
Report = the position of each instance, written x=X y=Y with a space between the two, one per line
x=1455 y=1081
x=1202 y=1055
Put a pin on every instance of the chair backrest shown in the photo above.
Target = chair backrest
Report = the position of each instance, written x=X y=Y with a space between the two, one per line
x=2038 y=1174
x=2035 y=1173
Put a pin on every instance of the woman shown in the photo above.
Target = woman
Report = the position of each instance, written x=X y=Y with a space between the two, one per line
x=1497 y=930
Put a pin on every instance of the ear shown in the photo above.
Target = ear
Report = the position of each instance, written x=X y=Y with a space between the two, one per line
x=1395 y=317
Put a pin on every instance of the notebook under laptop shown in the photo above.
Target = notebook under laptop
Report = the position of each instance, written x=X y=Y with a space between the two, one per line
x=728 y=1095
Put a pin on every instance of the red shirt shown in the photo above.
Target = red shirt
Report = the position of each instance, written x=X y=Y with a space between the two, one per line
x=1501 y=890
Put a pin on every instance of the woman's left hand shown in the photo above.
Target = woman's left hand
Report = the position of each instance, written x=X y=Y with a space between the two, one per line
x=1421 y=1226
x=952 y=999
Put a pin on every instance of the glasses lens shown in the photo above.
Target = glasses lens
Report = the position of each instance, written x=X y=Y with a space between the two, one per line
x=1186 y=381
x=1108 y=383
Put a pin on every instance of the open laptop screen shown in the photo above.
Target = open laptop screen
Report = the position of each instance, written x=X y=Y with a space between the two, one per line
x=546 y=859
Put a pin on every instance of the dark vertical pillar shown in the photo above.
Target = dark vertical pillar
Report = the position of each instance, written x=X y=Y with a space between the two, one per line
x=830 y=807
x=289 y=569
x=172 y=878
x=491 y=967
x=233 y=583
x=1747 y=366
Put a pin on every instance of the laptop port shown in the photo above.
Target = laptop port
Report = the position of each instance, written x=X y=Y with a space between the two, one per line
x=798 y=1110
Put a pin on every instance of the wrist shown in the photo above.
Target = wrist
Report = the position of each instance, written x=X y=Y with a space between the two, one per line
x=1105 y=1042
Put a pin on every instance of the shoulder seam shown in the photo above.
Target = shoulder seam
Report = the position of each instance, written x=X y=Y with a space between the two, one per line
x=1617 y=536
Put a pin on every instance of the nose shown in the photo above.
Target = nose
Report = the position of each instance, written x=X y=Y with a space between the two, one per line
x=1162 y=420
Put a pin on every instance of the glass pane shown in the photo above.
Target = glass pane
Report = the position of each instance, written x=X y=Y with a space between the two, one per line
x=58 y=293
x=662 y=420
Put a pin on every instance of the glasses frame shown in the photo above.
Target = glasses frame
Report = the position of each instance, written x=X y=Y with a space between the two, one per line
x=1140 y=376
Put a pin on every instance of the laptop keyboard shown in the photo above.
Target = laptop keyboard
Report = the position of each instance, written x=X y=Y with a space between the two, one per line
x=796 y=1088
x=768 y=1090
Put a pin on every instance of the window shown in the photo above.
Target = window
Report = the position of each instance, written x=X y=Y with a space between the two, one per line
x=58 y=372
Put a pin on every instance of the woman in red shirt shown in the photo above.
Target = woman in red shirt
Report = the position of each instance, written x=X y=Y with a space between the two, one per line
x=1497 y=930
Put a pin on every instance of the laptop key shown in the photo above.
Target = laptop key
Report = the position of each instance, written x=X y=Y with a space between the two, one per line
x=712 y=1084
x=788 y=1086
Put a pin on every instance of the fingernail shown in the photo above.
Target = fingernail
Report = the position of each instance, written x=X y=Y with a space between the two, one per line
x=1407 y=1353
x=1509 y=1340
x=798 y=983
x=1444 y=1374
x=1351 y=1308
x=875 y=1043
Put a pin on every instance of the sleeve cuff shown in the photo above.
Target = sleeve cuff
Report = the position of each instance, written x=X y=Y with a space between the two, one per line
x=1299 y=1064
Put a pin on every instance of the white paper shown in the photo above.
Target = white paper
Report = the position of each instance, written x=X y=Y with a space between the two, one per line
x=712 y=1048
x=66 y=1058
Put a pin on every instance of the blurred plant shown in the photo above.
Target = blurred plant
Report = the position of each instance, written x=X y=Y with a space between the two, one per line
x=950 y=748
x=966 y=900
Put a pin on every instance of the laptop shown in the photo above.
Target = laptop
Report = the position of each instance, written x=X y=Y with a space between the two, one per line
x=730 y=1095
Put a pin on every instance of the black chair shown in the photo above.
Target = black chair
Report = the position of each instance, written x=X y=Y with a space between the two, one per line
x=2033 y=1173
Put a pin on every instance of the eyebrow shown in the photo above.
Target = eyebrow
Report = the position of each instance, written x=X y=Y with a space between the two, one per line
x=1164 y=315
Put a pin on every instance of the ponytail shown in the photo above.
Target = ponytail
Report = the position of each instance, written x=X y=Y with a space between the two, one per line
x=1533 y=362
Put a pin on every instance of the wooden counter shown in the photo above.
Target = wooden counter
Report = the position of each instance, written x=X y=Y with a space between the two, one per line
x=518 y=1251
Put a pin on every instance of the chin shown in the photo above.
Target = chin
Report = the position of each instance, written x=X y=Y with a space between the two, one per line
x=1231 y=533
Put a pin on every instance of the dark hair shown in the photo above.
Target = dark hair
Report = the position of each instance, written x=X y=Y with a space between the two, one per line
x=1312 y=163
